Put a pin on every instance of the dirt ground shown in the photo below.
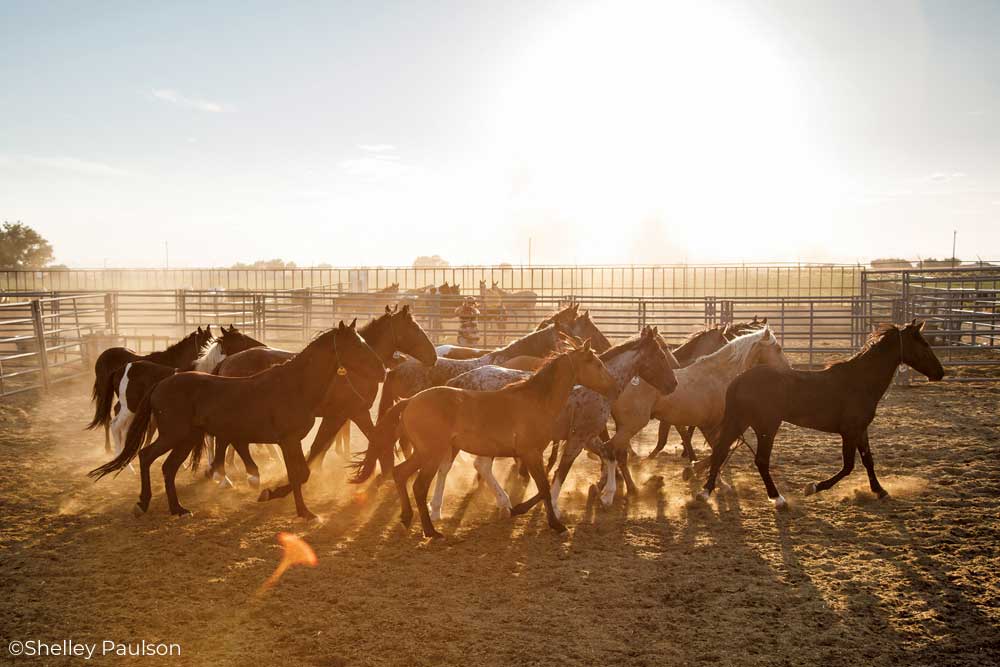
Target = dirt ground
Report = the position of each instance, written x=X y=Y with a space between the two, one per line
x=839 y=579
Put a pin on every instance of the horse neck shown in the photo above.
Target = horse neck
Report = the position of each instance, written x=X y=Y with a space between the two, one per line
x=211 y=358
x=622 y=367
x=378 y=335
x=537 y=344
x=550 y=385
x=877 y=365
x=726 y=362
x=310 y=372
x=180 y=355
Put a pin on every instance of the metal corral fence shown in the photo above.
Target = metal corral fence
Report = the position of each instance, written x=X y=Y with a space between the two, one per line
x=960 y=307
x=680 y=280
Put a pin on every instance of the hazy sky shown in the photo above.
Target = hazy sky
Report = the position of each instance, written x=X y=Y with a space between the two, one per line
x=370 y=133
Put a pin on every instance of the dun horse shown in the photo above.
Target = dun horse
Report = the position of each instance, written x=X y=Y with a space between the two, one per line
x=514 y=421
x=841 y=398
x=277 y=405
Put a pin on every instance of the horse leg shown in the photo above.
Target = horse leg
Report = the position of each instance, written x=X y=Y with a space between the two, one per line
x=107 y=438
x=553 y=456
x=765 y=441
x=866 y=458
x=848 y=448
x=253 y=472
x=442 y=476
x=401 y=474
x=621 y=454
x=328 y=429
x=732 y=428
x=420 y=486
x=298 y=474
x=661 y=438
x=146 y=457
x=686 y=434
x=170 y=467
x=536 y=468
x=570 y=452
x=484 y=466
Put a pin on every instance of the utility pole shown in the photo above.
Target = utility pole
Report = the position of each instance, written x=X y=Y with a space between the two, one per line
x=529 y=251
x=166 y=254
x=954 y=238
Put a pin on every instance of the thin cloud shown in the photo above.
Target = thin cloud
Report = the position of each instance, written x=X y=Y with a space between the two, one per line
x=76 y=165
x=377 y=148
x=176 y=98
x=945 y=177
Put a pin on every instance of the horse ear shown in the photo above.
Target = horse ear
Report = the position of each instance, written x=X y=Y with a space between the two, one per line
x=340 y=327
x=199 y=329
x=387 y=311
x=764 y=321
x=920 y=325
x=586 y=345
x=913 y=322
x=354 y=323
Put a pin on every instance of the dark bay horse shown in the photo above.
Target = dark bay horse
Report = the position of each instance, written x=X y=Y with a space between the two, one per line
x=276 y=405
x=181 y=355
x=392 y=332
x=135 y=379
x=514 y=421
x=841 y=398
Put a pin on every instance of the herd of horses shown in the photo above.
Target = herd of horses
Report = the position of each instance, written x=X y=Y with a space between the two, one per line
x=555 y=388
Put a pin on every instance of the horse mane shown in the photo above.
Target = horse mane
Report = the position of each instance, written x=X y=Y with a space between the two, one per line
x=621 y=348
x=873 y=339
x=552 y=316
x=176 y=346
x=544 y=375
x=210 y=354
x=736 y=350
x=522 y=340
x=375 y=321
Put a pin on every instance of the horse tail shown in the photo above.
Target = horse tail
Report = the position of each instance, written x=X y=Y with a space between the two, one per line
x=198 y=451
x=380 y=444
x=103 y=396
x=133 y=441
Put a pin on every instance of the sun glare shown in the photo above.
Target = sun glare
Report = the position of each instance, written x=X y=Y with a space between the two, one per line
x=680 y=113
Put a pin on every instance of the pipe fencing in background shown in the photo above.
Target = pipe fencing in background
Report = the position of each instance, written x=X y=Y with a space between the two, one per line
x=46 y=337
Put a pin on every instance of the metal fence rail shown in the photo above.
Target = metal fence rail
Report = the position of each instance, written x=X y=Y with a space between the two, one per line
x=647 y=281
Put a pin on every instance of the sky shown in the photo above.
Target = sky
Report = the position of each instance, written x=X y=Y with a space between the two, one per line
x=604 y=132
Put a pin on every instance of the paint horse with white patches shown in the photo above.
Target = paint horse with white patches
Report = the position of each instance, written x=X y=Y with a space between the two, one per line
x=699 y=399
x=180 y=355
x=134 y=380
x=582 y=420
x=841 y=399
x=514 y=421
x=276 y=405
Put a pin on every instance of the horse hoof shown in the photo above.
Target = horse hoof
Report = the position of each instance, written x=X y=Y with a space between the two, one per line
x=183 y=513
x=703 y=495
x=138 y=510
x=406 y=520
x=253 y=481
x=225 y=483
x=504 y=512
x=810 y=489
x=309 y=517
x=557 y=526
x=687 y=473
x=264 y=496
x=883 y=494
x=780 y=503
x=607 y=499
x=433 y=534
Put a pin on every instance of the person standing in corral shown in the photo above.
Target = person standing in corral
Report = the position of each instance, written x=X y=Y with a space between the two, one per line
x=468 y=327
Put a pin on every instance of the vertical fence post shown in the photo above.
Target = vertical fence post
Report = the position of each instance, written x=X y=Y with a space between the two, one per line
x=43 y=360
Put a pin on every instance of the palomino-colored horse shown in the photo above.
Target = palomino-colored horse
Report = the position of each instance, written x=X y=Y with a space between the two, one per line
x=699 y=399
x=514 y=421
x=842 y=399
x=583 y=418
x=275 y=405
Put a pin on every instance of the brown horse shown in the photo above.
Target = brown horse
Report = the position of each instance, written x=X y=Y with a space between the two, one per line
x=181 y=355
x=842 y=399
x=392 y=332
x=276 y=405
x=514 y=421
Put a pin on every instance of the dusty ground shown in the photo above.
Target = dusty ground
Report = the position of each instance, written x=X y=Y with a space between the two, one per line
x=840 y=579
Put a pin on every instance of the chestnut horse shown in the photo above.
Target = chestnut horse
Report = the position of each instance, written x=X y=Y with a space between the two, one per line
x=583 y=418
x=514 y=421
x=841 y=399
x=180 y=355
x=275 y=405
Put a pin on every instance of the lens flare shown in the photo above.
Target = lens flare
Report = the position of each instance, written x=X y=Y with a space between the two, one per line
x=296 y=551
